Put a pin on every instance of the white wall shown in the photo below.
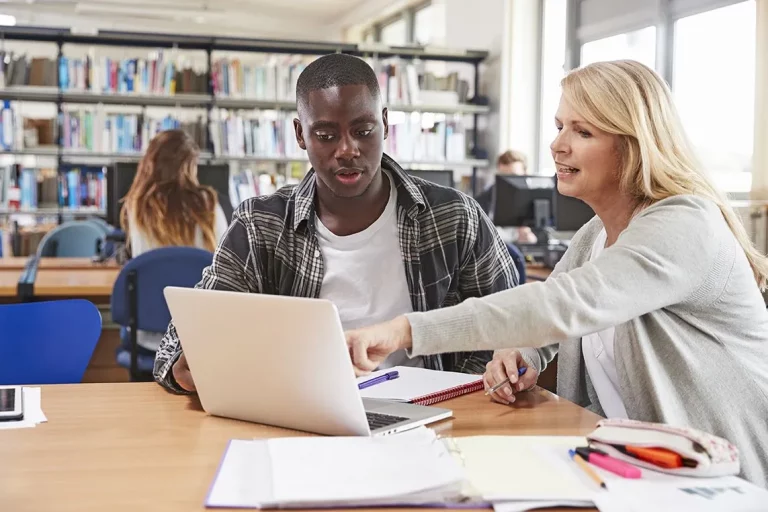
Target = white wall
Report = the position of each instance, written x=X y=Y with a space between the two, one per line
x=479 y=25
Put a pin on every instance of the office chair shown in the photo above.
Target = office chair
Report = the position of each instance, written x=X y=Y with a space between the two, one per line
x=47 y=342
x=73 y=239
x=519 y=258
x=138 y=302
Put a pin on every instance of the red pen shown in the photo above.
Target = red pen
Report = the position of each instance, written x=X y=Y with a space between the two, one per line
x=608 y=463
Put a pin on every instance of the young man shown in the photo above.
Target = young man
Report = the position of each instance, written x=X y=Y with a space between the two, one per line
x=357 y=230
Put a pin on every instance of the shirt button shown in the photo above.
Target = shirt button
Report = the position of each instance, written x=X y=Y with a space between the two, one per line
x=317 y=253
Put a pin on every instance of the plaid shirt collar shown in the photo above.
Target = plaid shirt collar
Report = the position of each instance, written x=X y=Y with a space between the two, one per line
x=409 y=197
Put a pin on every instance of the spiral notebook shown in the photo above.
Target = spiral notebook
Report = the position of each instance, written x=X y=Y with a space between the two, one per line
x=421 y=386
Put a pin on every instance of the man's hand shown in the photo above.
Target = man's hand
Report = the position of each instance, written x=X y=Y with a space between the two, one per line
x=504 y=365
x=370 y=346
x=182 y=374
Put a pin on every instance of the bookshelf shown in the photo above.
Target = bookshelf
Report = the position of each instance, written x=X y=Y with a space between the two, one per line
x=184 y=73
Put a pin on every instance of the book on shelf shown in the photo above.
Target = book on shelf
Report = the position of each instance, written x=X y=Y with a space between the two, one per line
x=160 y=73
x=267 y=134
x=273 y=78
x=20 y=70
x=427 y=137
x=403 y=82
x=26 y=189
x=246 y=183
x=90 y=129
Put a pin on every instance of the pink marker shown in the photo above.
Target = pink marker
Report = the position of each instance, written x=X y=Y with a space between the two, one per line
x=608 y=463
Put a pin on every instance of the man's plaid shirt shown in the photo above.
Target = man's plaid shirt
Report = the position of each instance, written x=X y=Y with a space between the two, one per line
x=450 y=248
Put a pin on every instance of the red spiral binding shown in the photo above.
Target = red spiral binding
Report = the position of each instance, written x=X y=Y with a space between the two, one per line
x=447 y=394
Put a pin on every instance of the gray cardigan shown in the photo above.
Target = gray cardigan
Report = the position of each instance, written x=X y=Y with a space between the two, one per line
x=691 y=338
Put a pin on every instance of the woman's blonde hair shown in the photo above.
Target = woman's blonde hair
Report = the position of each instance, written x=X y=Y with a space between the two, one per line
x=628 y=99
x=165 y=200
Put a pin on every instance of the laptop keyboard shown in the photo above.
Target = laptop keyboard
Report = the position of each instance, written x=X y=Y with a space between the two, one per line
x=376 y=420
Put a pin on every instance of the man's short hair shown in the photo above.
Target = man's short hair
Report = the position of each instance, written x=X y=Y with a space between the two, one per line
x=510 y=157
x=336 y=70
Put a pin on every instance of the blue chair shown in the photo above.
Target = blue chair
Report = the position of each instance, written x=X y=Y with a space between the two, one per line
x=519 y=258
x=138 y=302
x=47 y=342
x=73 y=239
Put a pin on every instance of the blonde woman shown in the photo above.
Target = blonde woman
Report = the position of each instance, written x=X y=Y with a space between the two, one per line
x=166 y=206
x=655 y=309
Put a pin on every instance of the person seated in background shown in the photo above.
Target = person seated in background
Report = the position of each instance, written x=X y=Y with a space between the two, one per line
x=167 y=207
x=512 y=163
x=358 y=230
x=655 y=309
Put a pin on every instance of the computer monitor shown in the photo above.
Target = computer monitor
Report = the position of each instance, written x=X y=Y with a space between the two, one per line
x=570 y=213
x=441 y=177
x=120 y=177
x=523 y=201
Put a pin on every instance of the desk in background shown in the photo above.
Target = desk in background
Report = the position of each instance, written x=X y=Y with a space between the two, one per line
x=537 y=272
x=127 y=447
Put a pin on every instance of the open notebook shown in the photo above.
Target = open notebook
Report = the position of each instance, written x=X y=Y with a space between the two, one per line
x=421 y=386
x=415 y=468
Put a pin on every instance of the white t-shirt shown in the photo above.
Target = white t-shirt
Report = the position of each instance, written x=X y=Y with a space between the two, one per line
x=365 y=275
x=598 y=358
x=141 y=242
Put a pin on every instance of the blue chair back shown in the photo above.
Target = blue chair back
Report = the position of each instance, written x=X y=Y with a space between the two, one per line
x=47 y=342
x=519 y=258
x=74 y=239
x=151 y=272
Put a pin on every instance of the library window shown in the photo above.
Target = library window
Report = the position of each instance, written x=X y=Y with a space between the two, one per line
x=552 y=71
x=639 y=45
x=395 y=34
x=714 y=86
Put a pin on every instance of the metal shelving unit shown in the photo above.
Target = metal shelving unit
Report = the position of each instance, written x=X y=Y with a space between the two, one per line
x=209 y=101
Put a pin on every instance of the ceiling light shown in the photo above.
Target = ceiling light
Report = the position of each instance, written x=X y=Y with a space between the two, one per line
x=7 y=20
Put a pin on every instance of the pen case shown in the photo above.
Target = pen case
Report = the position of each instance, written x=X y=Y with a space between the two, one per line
x=705 y=455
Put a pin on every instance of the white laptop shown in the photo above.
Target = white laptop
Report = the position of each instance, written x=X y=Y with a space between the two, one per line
x=280 y=361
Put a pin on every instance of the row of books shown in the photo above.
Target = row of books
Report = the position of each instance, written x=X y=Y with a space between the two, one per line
x=267 y=134
x=17 y=70
x=95 y=130
x=405 y=83
x=23 y=188
x=156 y=74
x=270 y=78
x=424 y=137
x=273 y=80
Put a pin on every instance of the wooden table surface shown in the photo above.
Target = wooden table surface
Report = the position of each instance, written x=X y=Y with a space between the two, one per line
x=91 y=282
x=537 y=272
x=9 y=279
x=133 y=446
x=19 y=262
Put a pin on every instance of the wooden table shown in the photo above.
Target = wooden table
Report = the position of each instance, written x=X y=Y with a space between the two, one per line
x=19 y=262
x=95 y=283
x=537 y=272
x=9 y=279
x=135 y=447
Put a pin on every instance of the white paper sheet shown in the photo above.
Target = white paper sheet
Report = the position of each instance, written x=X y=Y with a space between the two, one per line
x=33 y=411
x=414 y=383
x=413 y=467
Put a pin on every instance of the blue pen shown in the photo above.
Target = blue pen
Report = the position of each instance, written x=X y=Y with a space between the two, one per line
x=377 y=380
x=520 y=373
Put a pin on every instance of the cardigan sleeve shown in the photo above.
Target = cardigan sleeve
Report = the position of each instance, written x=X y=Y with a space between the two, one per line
x=664 y=256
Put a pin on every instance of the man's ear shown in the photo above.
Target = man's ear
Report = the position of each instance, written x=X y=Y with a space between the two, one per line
x=384 y=114
x=299 y=134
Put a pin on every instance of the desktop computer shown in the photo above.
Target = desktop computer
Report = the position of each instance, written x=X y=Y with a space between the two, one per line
x=535 y=202
x=120 y=177
x=440 y=177
x=523 y=201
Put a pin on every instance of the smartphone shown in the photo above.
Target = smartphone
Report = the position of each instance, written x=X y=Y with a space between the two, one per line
x=11 y=403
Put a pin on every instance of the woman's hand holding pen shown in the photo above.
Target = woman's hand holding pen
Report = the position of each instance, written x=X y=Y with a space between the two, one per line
x=505 y=367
